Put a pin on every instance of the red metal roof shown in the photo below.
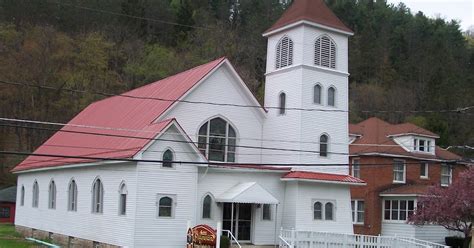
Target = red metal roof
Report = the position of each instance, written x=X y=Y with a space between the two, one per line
x=319 y=176
x=309 y=10
x=118 y=113
x=377 y=131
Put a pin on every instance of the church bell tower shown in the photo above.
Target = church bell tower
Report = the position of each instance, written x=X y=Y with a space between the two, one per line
x=306 y=88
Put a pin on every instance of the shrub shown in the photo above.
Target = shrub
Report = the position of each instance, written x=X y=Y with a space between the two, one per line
x=225 y=242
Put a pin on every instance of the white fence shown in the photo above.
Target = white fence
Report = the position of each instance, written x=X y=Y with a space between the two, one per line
x=310 y=239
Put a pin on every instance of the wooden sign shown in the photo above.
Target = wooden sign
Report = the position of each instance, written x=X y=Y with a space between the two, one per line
x=201 y=235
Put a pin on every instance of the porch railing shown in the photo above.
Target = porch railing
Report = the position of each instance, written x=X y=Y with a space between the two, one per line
x=311 y=239
x=428 y=243
x=231 y=238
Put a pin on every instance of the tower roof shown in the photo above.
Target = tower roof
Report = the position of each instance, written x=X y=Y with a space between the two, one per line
x=309 y=10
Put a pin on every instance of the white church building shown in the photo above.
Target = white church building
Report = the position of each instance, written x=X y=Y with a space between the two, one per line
x=133 y=170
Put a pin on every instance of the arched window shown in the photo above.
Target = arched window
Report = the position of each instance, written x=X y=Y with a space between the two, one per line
x=217 y=140
x=168 y=159
x=52 y=195
x=317 y=211
x=123 y=199
x=284 y=53
x=323 y=145
x=72 y=196
x=22 y=199
x=35 y=194
x=317 y=94
x=331 y=96
x=282 y=106
x=97 y=196
x=325 y=52
x=165 y=207
x=328 y=211
x=206 y=207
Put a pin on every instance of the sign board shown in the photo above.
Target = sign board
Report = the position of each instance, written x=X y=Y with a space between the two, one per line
x=201 y=235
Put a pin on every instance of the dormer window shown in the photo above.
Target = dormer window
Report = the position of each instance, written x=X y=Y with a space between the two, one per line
x=284 y=53
x=422 y=145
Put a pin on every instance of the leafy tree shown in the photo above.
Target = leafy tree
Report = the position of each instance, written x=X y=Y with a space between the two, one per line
x=451 y=207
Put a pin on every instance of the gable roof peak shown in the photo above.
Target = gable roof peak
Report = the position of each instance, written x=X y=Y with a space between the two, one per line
x=315 y=11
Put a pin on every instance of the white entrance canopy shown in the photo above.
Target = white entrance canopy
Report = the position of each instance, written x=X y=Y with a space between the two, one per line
x=250 y=192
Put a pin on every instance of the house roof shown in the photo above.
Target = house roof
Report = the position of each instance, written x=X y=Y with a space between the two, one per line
x=122 y=116
x=8 y=194
x=323 y=177
x=315 y=11
x=411 y=189
x=378 y=133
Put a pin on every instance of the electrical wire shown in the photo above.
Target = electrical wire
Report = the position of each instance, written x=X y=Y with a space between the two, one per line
x=180 y=134
x=96 y=158
x=458 y=110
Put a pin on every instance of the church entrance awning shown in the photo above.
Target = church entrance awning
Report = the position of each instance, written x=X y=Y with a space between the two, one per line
x=249 y=192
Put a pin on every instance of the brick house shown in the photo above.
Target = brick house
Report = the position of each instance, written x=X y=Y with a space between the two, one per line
x=407 y=162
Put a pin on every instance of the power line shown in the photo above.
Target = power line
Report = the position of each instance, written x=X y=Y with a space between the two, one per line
x=130 y=16
x=171 y=140
x=458 y=110
x=95 y=158
x=172 y=133
x=115 y=150
x=191 y=142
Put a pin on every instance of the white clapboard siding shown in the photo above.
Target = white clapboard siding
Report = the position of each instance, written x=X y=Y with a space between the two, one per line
x=223 y=87
x=297 y=82
x=179 y=182
x=339 y=195
x=218 y=182
x=107 y=227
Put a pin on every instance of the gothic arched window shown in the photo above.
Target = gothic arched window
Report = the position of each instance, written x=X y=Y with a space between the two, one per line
x=217 y=140
x=317 y=211
x=206 y=207
x=282 y=107
x=72 y=196
x=35 y=194
x=332 y=96
x=284 y=53
x=168 y=159
x=317 y=90
x=323 y=145
x=52 y=195
x=97 y=196
x=328 y=211
x=325 y=52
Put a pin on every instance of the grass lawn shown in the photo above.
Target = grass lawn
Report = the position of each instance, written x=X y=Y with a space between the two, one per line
x=11 y=239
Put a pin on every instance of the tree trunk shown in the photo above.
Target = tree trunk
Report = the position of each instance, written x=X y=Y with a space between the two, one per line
x=472 y=234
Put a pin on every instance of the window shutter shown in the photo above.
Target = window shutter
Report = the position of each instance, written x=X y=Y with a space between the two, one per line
x=284 y=53
x=325 y=52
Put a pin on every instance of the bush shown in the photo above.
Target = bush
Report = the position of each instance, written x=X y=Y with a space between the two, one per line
x=225 y=242
x=454 y=241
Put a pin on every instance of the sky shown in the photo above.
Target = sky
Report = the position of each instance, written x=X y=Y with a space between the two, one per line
x=462 y=10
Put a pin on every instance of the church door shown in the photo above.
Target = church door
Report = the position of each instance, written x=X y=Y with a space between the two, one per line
x=240 y=223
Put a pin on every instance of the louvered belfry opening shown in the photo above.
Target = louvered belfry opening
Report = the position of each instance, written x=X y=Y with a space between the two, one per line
x=284 y=53
x=325 y=52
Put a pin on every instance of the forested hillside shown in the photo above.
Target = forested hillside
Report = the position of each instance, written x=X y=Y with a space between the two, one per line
x=399 y=61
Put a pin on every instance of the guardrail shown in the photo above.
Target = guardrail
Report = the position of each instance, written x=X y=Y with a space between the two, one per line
x=283 y=243
x=428 y=243
x=312 y=239
x=232 y=238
